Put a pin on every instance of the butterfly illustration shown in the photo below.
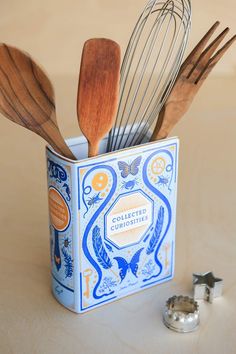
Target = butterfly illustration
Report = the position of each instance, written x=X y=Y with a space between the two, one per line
x=127 y=169
x=124 y=266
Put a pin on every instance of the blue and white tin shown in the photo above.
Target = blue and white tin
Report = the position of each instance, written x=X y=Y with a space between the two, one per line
x=112 y=221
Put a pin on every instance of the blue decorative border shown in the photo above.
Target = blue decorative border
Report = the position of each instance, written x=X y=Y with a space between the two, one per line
x=94 y=305
x=170 y=276
x=72 y=290
x=166 y=202
x=92 y=221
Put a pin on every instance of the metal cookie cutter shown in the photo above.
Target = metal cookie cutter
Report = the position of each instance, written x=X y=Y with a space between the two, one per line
x=206 y=286
x=181 y=314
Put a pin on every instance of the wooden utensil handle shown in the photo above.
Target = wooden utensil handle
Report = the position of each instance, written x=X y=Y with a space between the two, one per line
x=52 y=135
x=160 y=132
x=98 y=90
x=63 y=149
x=93 y=149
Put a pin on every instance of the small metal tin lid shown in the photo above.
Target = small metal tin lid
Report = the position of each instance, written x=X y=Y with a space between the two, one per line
x=181 y=314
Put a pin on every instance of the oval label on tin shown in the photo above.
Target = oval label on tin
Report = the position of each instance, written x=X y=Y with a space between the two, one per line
x=129 y=218
x=58 y=208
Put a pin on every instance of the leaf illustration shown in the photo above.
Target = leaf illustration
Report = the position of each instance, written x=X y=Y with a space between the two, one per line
x=99 y=249
x=110 y=249
x=146 y=238
x=157 y=231
x=68 y=263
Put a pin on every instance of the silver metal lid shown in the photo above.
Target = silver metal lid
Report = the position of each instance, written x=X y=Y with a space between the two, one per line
x=181 y=314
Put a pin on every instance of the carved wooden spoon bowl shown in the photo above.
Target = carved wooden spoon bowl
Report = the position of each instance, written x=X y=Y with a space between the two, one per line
x=27 y=97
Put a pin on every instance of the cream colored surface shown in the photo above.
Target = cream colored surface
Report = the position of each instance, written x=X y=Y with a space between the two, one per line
x=31 y=321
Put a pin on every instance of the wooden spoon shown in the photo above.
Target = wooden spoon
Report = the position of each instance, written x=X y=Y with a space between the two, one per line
x=98 y=90
x=27 y=97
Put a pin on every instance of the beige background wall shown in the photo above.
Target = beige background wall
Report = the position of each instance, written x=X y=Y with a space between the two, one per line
x=53 y=32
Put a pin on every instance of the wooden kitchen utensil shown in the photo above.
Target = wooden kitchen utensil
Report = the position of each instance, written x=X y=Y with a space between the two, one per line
x=27 y=97
x=98 y=90
x=193 y=73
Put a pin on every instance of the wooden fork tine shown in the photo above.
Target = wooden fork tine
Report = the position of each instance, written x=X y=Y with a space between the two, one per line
x=196 y=52
x=206 y=55
x=214 y=60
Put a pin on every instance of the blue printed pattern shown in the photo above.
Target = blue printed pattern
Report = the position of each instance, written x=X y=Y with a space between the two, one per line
x=129 y=168
x=117 y=269
x=61 y=242
x=99 y=249
x=124 y=266
x=57 y=172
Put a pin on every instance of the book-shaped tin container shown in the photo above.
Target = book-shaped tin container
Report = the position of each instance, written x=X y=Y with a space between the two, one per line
x=112 y=221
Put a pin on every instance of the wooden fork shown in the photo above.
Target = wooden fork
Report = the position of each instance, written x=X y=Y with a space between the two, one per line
x=192 y=74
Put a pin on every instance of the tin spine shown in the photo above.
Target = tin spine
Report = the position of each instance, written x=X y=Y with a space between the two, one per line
x=76 y=239
x=62 y=225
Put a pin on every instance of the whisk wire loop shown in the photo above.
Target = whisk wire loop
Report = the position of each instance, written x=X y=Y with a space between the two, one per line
x=150 y=66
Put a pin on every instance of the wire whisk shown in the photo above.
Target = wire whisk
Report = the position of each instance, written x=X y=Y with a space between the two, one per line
x=149 y=69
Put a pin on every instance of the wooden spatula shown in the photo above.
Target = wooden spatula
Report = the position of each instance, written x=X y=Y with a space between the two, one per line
x=27 y=97
x=98 y=90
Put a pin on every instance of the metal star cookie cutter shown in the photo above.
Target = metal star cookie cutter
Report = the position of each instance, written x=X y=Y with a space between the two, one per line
x=206 y=286
x=181 y=314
